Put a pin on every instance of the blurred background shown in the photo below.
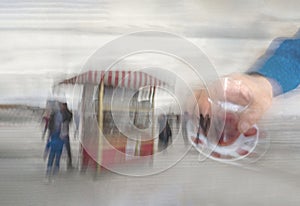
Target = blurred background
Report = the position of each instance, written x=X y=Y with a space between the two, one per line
x=44 y=42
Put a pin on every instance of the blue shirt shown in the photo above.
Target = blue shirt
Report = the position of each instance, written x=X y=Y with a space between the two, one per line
x=283 y=66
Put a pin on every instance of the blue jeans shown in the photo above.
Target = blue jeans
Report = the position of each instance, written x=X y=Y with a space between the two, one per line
x=56 y=145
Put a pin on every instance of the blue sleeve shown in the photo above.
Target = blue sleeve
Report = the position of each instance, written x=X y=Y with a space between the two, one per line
x=283 y=66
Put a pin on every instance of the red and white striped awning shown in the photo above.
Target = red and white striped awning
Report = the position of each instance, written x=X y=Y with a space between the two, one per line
x=128 y=79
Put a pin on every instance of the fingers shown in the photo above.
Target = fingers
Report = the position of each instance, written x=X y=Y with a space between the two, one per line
x=237 y=93
x=254 y=93
x=253 y=113
x=232 y=89
x=258 y=103
x=248 y=118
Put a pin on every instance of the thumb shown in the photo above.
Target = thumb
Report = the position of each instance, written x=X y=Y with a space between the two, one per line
x=248 y=118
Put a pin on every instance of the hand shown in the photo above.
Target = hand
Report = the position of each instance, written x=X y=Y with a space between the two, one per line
x=253 y=91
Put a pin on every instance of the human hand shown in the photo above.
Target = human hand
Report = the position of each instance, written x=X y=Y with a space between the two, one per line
x=254 y=92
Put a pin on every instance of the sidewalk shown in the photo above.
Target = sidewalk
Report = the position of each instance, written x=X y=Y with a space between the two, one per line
x=274 y=180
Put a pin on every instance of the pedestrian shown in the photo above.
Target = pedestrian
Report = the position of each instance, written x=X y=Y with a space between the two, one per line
x=165 y=135
x=64 y=134
x=54 y=144
x=185 y=119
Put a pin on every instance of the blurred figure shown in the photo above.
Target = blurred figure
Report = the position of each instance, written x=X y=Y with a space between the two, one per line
x=54 y=144
x=76 y=121
x=64 y=133
x=185 y=119
x=204 y=124
x=165 y=135
x=45 y=120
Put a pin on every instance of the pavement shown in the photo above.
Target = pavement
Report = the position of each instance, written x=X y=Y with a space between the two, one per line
x=272 y=180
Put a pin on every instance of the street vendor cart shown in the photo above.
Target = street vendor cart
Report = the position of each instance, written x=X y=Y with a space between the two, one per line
x=117 y=118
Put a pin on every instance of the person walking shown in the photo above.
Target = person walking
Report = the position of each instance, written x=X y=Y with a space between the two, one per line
x=54 y=144
x=165 y=135
x=64 y=134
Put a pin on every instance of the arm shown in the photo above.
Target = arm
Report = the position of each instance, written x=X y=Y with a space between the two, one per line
x=279 y=73
x=282 y=69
